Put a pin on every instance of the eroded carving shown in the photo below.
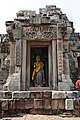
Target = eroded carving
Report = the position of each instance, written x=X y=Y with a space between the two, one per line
x=40 y=33
x=18 y=52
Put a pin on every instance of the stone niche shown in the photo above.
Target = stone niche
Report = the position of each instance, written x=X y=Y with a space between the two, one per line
x=45 y=34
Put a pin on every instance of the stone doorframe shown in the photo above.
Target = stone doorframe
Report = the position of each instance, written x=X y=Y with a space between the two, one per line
x=39 y=44
x=52 y=64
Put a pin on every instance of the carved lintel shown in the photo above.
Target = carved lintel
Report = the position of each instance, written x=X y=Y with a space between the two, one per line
x=45 y=33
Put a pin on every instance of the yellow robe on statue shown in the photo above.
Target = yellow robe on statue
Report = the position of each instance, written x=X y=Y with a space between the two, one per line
x=39 y=66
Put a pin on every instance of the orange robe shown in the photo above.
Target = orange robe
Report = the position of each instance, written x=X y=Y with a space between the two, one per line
x=37 y=69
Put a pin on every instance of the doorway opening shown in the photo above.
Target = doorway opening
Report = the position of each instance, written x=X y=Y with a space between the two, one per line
x=43 y=53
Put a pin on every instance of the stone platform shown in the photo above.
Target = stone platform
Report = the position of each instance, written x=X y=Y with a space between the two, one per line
x=44 y=102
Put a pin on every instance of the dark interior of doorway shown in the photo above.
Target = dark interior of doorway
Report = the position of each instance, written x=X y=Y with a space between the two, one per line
x=43 y=53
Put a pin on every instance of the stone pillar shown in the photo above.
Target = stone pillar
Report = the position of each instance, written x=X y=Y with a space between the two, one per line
x=23 y=66
x=12 y=58
x=59 y=55
x=60 y=58
x=66 y=67
x=54 y=61
x=18 y=55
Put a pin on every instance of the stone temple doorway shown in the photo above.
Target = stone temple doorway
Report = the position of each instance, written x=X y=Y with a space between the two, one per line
x=43 y=49
x=43 y=53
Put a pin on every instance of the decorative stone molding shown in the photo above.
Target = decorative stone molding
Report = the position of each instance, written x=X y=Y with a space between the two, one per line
x=18 y=52
x=42 y=32
x=60 y=58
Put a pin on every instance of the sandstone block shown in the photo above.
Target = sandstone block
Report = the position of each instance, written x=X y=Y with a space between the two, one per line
x=58 y=94
x=24 y=94
x=21 y=95
x=54 y=104
x=7 y=95
x=47 y=94
x=15 y=95
x=46 y=103
x=29 y=103
x=61 y=104
x=69 y=94
x=63 y=86
x=36 y=95
x=37 y=103
x=12 y=105
x=4 y=104
x=33 y=95
x=58 y=104
x=14 y=82
x=76 y=103
x=20 y=104
x=69 y=104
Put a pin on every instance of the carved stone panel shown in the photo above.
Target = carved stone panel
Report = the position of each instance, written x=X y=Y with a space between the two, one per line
x=18 y=52
x=40 y=32
x=60 y=59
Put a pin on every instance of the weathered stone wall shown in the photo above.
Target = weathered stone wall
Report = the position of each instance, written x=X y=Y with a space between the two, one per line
x=74 y=47
x=4 y=58
x=37 y=102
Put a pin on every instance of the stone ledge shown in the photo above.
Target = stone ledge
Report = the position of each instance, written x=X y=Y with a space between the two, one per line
x=20 y=94
x=58 y=95
x=43 y=94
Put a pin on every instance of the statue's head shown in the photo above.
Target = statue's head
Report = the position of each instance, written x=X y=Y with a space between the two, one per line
x=37 y=58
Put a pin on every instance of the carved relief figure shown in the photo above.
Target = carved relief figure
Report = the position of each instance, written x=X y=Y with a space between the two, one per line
x=38 y=73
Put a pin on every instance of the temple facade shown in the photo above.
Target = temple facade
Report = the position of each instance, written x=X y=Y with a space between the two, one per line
x=50 y=35
x=39 y=64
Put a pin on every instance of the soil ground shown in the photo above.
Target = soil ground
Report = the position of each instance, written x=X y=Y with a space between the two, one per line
x=41 y=117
